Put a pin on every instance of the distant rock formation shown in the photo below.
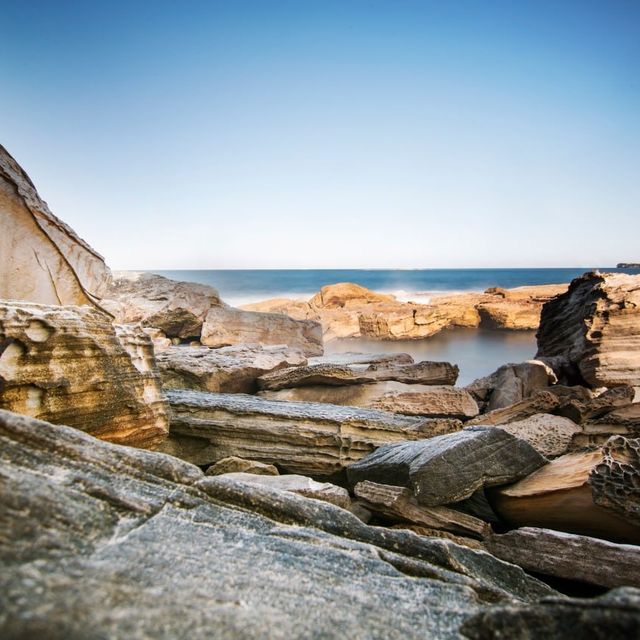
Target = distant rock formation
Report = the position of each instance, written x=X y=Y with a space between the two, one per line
x=628 y=265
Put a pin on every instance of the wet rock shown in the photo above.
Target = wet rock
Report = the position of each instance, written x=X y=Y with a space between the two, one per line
x=233 y=464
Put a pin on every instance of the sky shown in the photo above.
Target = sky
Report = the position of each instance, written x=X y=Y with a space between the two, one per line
x=321 y=134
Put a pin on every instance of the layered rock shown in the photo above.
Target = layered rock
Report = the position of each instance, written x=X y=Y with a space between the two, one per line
x=69 y=365
x=592 y=332
x=435 y=402
x=225 y=326
x=539 y=402
x=228 y=369
x=233 y=464
x=306 y=438
x=41 y=258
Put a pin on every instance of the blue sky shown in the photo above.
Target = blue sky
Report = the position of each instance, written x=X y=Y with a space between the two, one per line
x=348 y=134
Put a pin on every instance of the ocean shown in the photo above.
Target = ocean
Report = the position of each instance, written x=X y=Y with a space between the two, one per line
x=476 y=352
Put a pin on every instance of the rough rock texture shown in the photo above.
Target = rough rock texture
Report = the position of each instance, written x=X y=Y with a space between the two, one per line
x=101 y=541
x=69 y=365
x=581 y=410
x=425 y=373
x=302 y=485
x=306 y=438
x=350 y=357
x=41 y=258
x=565 y=555
x=594 y=330
x=429 y=532
x=539 y=402
x=452 y=467
x=159 y=339
x=233 y=464
x=435 y=402
x=228 y=370
x=225 y=326
x=345 y=295
x=177 y=308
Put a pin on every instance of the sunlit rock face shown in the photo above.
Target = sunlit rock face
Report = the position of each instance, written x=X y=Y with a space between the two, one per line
x=41 y=258
x=70 y=365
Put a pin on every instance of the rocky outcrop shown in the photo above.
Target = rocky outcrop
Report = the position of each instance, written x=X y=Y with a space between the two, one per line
x=98 y=540
x=225 y=326
x=435 y=402
x=233 y=464
x=306 y=438
x=449 y=468
x=69 y=365
x=592 y=332
x=227 y=370
x=346 y=295
x=176 y=308
x=41 y=258
x=355 y=358
x=539 y=402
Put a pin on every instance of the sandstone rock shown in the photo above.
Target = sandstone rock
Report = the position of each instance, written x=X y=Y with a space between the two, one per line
x=472 y=543
x=103 y=541
x=233 y=369
x=306 y=438
x=159 y=339
x=539 y=402
x=449 y=468
x=591 y=409
x=435 y=402
x=346 y=294
x=509 y=315
x=177 y=308
x=225 y=326
x=69 y=365
x=233 y=464
x=399 y=504
x=349 y=358
x=41 y=258
x=595 y=329
x=302 y=485
x=565 y=555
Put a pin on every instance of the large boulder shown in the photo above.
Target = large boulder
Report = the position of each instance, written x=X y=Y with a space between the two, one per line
x=225 y=326
x=41 y=258
x=592 y=332
x=69 y=365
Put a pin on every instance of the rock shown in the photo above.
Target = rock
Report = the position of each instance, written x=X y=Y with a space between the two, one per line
x=613 y=615
x=41 y=258
x=558 y=496
x=159 y=339
x=346 y=294
x=549 y=435
x=177 y=308
x=298 y=484
x=225 y=326
x=317 y=440
x=435 y=402
x=591 y=409
x=568 y=556
x=449 y=468
x=595 y=329
x=69 y=365
x=233 y=369
x=233 y=464
x=539 y=402
x=104 y=541
x=472 y=543
x=399 y=504
x=425 y=373
x=349 y=358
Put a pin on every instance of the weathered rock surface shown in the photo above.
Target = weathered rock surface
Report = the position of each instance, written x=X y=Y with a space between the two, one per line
x=350 y=357
x=306 y=438
x=623 y=420
x=565 y=555
x=436 y=402
x=69 y=365
x=228 y=370
x=233 y=464
x=176 y=308
x=346 y=294
x=225 y=326
x=594 y=330
x=425 y=373
x=539 y=402
x=101 y=541
x=581 y=409
x=41 y=258
x=449 y=468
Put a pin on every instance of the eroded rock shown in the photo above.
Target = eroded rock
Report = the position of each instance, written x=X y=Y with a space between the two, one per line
x=436 y=402
x=233 y=464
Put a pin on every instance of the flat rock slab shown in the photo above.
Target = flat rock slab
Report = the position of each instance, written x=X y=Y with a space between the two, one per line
x=451 y=467
x=438 y=401
x=569 y=556
x=352 y=357
x=308 y=438
x=539 y=402
x=233 y=464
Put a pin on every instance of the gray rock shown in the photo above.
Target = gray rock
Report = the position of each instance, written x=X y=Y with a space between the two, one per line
x=351 y=357
x=233 y=464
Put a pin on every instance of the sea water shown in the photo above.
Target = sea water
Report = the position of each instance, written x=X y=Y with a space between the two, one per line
x=476 y=352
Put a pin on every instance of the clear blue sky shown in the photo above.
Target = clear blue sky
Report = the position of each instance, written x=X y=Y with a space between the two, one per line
x=331 y=134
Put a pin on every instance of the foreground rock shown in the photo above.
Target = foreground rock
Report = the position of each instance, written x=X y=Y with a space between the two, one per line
x=592 y=332
x=225 y=326
x=176 y=308
x=41 y=258
x=106 y=541
x=568 y=556
x=452 y=467
x=435 y=402
x=69 y=365
x=539 y=402
x=233 y=464
x=306 y=438
x=227 y=370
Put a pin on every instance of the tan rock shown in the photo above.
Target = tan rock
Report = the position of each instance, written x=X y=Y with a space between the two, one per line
x=233 y=464
x=346 y=294
x=41 y=258
x=436 y=402
x=68 y=365
x=159 y=339
x=539 y=402
x=430 y=532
